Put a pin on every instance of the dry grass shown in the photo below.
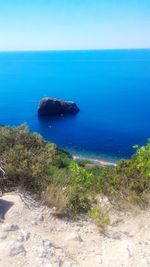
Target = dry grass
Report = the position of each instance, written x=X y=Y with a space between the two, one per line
x=56 y=196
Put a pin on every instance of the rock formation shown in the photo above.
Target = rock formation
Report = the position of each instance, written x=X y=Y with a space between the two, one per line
x=53 y=106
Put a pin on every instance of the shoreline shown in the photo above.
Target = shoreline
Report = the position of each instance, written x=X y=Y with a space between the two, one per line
x=95 y=161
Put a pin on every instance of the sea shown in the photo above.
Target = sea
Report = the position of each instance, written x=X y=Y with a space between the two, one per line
x=111 y=88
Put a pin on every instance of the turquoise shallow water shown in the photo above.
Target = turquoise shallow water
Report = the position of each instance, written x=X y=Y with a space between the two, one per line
x=111 y=87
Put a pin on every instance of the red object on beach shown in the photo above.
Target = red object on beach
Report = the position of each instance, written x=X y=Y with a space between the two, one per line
x=102 y=163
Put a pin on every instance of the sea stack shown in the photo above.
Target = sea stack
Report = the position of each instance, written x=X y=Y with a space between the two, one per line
x=52 y=106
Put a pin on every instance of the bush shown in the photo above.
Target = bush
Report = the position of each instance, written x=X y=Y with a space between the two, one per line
x=129 y=180
x=82 y=162
x=27 y=158
x=80 y=199
x=56 y=196
x=100 y=216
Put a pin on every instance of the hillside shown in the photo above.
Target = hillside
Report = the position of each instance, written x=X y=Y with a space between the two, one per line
x=56 y=211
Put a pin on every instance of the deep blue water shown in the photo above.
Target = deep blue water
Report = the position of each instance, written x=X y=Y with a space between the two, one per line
x=111 y=88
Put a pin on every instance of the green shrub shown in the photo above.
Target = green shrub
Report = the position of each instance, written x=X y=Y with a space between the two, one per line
x=100 y=216
x=80 y=199
x=27 y=158
x=82 y=162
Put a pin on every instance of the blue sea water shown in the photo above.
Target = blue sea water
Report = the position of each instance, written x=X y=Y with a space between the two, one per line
x=111 y=88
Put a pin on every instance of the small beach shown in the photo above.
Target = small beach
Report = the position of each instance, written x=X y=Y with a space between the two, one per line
x=95 y=161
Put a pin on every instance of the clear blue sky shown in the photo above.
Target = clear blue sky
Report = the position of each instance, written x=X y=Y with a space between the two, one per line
x=74 y=24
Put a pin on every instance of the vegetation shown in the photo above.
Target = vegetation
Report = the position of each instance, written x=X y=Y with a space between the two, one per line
x=100 y=216
x=26 y=159
x=28 y=162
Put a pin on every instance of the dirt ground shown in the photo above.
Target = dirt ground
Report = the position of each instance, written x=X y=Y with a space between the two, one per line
x=31 y=236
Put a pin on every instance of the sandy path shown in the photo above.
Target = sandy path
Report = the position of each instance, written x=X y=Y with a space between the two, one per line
x=30 y=236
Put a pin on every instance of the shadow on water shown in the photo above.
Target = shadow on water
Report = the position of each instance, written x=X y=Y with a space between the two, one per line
x=46 y=119
x=60 y=121
x=4 y=207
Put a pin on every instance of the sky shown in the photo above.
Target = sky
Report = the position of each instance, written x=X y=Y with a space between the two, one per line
x=74 y=24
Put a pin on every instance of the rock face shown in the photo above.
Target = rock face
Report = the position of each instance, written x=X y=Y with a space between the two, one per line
x=53 y=106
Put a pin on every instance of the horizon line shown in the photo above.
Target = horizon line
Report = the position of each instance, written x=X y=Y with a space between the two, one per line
x=71 y=50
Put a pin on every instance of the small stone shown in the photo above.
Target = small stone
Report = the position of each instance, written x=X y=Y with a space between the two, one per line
x=10 y=227
x=116 y=236
x=40 y=217
x=27 y=236
x=16 y=248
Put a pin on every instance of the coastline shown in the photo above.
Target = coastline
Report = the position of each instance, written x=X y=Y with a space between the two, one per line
x=95 y=161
